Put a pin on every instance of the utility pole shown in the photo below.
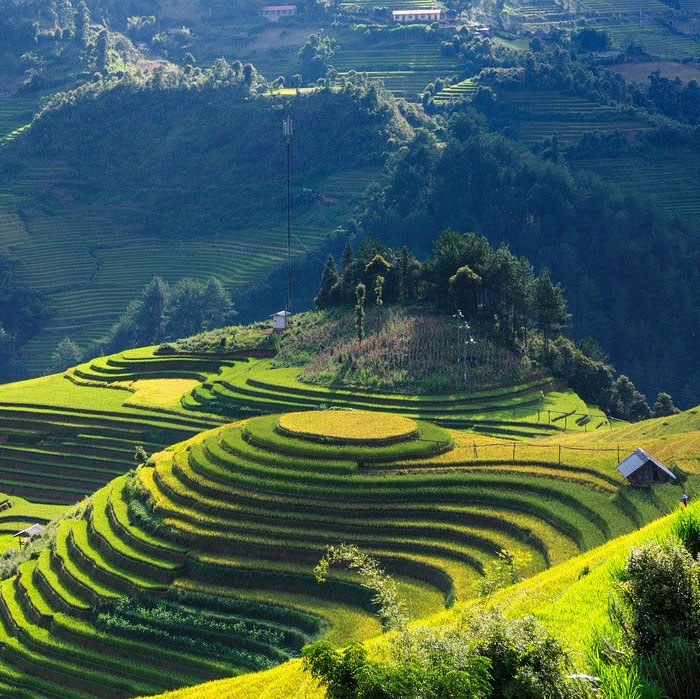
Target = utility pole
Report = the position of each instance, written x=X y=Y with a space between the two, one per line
x=287 y=129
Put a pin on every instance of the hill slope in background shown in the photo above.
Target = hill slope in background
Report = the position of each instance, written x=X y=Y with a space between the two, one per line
x=178 y=175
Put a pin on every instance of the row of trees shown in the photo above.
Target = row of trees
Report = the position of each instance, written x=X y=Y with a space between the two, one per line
x=614 y=253
x=164 y=312
x=493 y=289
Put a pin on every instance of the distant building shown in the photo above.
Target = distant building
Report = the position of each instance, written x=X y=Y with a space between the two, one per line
x=429 y=14
x=274 y=12
x=280 y=320
x=641 y=469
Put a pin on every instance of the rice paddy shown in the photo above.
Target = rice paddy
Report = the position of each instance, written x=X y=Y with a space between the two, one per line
x=244 y=511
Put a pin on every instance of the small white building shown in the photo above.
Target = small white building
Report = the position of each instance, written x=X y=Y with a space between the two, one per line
x=274 y=12
x=280 y=320
x=428 y=14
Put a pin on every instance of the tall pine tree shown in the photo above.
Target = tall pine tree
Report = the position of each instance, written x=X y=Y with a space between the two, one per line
x=329 y=279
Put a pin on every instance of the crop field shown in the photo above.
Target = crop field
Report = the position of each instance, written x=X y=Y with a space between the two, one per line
x=59 y=440
x=622 y=6
x=405 y=69
x=459 y=91
x=544 y=12
x=656 y=39
x=670 y=178
x=538 y=114
x=15 y=112
x=571 y=605
x=514 y=411
x=106 y=263
x=246 y=510
x=639 y=72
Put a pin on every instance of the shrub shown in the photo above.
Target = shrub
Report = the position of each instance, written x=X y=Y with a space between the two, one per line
x=504 y=570
x=662 y=595
x=675 y=665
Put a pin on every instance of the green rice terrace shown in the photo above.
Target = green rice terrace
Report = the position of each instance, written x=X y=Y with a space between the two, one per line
x=669 y=177
x=246 y=386
x=98 y=252
x=207 y=550
x=533 y=115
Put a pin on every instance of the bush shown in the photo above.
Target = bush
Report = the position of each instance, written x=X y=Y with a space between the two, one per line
x=484 y=655
x=525 y=660
x=662 y=595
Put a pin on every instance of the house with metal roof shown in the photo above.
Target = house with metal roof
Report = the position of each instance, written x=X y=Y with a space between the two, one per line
x=430 y=14
x=280 y=320
x=639 y=468
x=274 y=12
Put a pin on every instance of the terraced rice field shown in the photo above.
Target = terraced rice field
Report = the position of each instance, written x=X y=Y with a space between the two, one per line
x=245 y=512
x=106 y=263
x=622 y=6
x=15 y=112
x=671 y=180
x=459 y=91
x=60 y=441
x=541 y=113
x=516 y=411
x=543 y=13
x=405 y=69
x=656 y=39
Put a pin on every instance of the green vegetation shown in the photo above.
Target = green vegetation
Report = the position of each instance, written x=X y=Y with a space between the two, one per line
x=163 y=585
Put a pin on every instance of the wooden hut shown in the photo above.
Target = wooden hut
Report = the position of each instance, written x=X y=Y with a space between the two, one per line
x=29 y=534
x=639 y=468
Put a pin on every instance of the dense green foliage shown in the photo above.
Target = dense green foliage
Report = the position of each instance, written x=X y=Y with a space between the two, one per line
x=484 y=655
x=557 y=220
x=150 y=122
x=165 y=312
x=23 y=312
x=654 y=635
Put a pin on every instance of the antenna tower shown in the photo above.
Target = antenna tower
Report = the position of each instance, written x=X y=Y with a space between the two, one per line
x=287 y=129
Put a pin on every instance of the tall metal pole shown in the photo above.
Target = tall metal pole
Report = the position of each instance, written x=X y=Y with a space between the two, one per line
x=288 y=134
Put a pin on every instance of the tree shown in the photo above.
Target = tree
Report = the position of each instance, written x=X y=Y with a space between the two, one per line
x=315 y=55
x=464 y=287
x=67 y=354
x=550 y=307
x=626 y=401
x=360 y=294
x=102 y=51
x=148 y=315
x=218 y=307
x=82 y=23
x=347 y=257
x=329 y=279
x=185 y=311
x=378 y=287
x=664 y=406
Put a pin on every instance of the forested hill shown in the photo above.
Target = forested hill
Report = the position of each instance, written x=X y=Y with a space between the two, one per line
x=198 y=152
x=176 y=173
x=631 y=275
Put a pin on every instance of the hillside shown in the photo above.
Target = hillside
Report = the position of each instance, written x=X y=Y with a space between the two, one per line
x=570 y=599
x=394 y=485
x=123 y=193
x=573 y=606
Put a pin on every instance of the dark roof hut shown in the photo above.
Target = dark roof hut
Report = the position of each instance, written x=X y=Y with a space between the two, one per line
x=639 y=468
